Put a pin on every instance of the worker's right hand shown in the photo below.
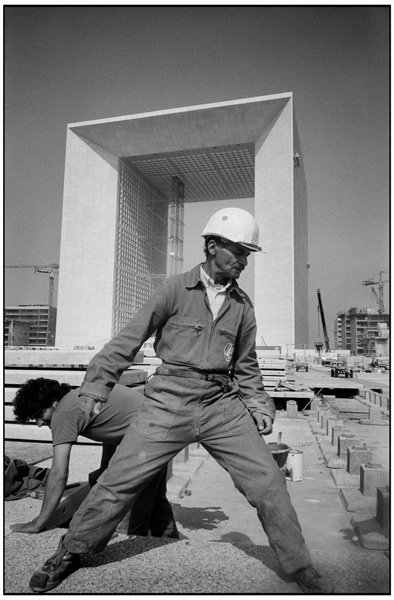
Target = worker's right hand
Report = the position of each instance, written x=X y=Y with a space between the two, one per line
x=90 y=406
x=30 y=527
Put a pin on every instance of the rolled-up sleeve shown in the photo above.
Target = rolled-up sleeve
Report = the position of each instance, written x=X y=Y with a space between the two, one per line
x=106 y=367
x=246 y=368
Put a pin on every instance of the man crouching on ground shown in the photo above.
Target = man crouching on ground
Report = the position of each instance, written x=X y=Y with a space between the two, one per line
x=48 y=402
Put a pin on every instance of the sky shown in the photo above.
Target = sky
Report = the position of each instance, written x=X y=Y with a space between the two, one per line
x=75 y=63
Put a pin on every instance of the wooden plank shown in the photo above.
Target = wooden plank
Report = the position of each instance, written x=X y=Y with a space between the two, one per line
x=15 y=377
x=303 y=394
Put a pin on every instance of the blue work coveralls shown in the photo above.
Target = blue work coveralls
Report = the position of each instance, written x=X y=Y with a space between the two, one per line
x=206 y=390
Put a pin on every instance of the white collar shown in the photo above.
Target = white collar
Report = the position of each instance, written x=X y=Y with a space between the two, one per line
x=209 y=282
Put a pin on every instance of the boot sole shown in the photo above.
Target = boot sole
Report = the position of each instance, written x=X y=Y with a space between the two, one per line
x=36 y=581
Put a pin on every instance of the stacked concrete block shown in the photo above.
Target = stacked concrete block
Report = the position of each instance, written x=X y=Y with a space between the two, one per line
x=329 y=400
x=315 y=404
x=372 y=476
x=383 y=506
x=345 y=441
x=331 y=423
x=356 y=456
x=291 y=409
x=324 y=420
x=339 y=430
x=375 y=415
x=322 y=410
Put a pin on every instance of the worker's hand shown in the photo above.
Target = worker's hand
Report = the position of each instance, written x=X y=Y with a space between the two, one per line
x=90 y=406
x=263 y=422
x=30 y=527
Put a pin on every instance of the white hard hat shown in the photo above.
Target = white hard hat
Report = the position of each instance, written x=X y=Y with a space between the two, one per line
x=236 y=225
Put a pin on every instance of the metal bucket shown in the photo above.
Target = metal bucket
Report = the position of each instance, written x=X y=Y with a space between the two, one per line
x=294 y=465
x=279 y=451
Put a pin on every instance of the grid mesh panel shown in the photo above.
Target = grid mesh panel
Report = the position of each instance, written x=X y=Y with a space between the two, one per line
x=141 y=246
x=208 y=174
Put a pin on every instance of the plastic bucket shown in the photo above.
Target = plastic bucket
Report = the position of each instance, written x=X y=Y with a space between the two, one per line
x=294 y=465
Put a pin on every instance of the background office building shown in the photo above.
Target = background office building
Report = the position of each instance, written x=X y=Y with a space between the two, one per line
x=30 y=325
x=138 y=191
x=363 y=331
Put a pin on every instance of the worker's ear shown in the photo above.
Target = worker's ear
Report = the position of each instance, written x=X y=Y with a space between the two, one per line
x=54 y=404
x=211 y=246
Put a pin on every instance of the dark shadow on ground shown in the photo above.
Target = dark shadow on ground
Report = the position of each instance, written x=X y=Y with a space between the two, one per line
x=199 y=518
x=262 y=553
x=128 y=548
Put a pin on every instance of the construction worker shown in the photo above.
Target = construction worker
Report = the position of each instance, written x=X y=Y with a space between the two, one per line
x=56 y=405
x=208 y=389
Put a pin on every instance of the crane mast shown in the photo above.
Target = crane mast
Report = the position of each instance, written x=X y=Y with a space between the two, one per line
x=378 y=281
x=323 y=322
x=50 y=269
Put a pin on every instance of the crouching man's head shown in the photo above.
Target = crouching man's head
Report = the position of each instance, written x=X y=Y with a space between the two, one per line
x=36 y=400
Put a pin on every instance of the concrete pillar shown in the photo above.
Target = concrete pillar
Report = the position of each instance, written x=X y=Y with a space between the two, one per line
x=385 y=402
x=344 y=442
x=356 y=456
x=331 y=423
x=336 y=431
x=322 y=410
x=291 y=408
x=329 y=400
x=383 y=506
x=182 y=456
x=375 y=415
x=315 y=404
x=372 y=476
x=324 y=421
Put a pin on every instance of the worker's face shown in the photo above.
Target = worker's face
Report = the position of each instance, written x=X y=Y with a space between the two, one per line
x=45 y=418
x=230 y=260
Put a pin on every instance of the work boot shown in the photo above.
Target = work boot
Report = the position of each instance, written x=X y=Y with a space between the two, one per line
x=311 y=582
x=55 y=569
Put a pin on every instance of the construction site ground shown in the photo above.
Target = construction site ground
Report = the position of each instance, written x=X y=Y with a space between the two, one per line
x=222 y=547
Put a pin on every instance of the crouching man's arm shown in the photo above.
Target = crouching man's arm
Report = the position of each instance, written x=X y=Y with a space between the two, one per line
x=56 y=483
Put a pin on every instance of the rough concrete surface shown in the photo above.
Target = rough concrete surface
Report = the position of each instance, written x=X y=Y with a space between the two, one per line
x=223 y=549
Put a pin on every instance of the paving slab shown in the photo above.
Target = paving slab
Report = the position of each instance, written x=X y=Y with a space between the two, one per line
x=343 y=479
x=354 y=501
x=371 y=534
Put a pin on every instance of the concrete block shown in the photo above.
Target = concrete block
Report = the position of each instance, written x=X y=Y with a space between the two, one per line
x=292 y=409
x=383 y=506
x=334 y=462
x=385 y=402
x=331 y=422
x=346 y=441
x=356 y=456
x=354 y=501
x=182 y=456
x=375 y=414
x=370 y=533
x=315 y=404
x=321 y=411
x=342 y=479
x=324 y=421
x=329 y=400
x=372 y=476
x=336 y=431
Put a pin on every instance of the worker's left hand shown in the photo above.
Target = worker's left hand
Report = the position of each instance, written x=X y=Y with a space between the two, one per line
x=90 y=406
x=264 y=423
x=30 y=527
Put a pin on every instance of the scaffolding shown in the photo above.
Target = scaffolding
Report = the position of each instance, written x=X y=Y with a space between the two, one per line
x=175 y=228
x=149 y=244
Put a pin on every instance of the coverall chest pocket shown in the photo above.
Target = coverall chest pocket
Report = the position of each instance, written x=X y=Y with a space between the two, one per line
x=183 y=339
x=226 y=344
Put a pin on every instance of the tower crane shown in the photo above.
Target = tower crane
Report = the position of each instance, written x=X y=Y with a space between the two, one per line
x=378 y=281
x=50 y=269
x=323 y=322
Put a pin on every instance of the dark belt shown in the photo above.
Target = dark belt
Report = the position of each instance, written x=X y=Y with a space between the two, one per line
x=222 y=379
